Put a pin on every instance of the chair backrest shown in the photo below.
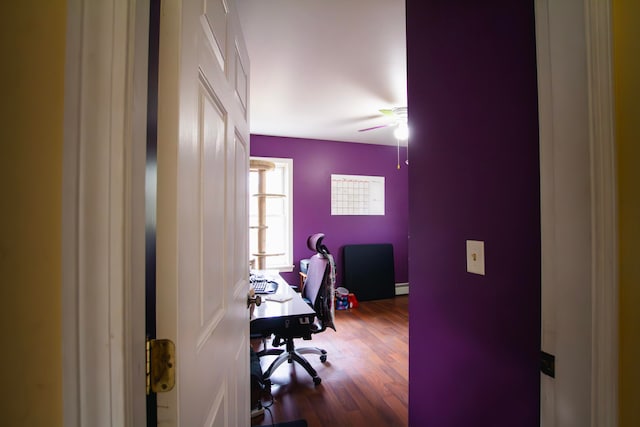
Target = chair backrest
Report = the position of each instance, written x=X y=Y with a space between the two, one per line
x=318 y=286
x=316 y=278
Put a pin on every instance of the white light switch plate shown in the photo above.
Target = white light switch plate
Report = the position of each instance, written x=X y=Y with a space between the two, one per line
x=475 y=256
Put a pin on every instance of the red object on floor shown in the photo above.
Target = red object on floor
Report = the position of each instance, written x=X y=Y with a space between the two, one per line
x=352 y=301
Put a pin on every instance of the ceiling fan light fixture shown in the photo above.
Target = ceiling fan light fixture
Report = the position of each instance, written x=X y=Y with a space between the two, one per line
x=401 y=131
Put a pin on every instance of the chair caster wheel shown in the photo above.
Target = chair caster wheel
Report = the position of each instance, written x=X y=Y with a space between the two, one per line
x=323 y=358
x=317 y=380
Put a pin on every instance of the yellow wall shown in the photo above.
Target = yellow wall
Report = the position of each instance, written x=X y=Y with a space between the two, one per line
x=627 y=91
x=32 y=45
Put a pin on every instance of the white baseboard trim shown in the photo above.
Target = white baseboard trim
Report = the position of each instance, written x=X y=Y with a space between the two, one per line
x=402 y=288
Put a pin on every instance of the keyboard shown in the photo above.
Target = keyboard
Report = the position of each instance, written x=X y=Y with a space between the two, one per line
x=263 y=286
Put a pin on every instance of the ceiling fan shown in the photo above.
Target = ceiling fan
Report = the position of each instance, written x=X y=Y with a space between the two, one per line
x=400 y=121
x=399 y=116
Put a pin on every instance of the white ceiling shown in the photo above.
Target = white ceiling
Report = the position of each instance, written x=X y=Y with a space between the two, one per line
x=322 y=69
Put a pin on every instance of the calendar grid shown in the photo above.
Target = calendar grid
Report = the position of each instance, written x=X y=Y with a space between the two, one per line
x=357 y=195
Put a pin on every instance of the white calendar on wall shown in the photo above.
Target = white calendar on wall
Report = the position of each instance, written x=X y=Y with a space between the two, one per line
x=357 y=195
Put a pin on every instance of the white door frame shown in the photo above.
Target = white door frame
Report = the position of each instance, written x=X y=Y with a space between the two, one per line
x=601 y=265
x=103 y=213
x=604 y=211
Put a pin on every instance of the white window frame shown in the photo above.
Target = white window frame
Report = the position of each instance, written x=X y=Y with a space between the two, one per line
x=287 y=164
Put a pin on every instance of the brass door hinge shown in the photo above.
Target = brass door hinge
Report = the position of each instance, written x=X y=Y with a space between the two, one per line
x=161 y=365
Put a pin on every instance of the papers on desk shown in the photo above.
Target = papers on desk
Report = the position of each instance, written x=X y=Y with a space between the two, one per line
x=277 y=298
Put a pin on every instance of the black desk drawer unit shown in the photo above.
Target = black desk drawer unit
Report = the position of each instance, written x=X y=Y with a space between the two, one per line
x=369 y=271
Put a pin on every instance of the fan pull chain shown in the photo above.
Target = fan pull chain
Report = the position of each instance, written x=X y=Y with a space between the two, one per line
x=398 y=147
x=407 y=161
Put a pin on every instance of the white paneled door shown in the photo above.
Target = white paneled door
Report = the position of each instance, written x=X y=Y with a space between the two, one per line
x=202 y=241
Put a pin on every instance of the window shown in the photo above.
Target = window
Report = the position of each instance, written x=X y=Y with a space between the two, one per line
x=278 y=221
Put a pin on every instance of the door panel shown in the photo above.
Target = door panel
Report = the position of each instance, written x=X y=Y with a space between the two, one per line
x=215 y=17
x=202 y=213
x=211 y=124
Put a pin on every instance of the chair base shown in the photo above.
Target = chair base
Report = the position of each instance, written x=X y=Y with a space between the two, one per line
x=293 y=355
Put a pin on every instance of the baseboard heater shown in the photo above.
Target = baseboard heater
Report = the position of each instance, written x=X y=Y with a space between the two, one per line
x=368 y=271
x=402 y=289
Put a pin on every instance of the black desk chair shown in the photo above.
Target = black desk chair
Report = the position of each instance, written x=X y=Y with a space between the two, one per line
x=318 y=291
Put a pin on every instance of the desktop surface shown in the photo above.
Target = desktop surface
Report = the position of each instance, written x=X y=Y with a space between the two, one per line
x=280 y=307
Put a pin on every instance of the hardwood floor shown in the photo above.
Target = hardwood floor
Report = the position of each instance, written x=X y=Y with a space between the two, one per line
x=365 y=380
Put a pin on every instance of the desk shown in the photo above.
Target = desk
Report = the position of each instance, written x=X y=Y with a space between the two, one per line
x=273 y=316
x=286 y=320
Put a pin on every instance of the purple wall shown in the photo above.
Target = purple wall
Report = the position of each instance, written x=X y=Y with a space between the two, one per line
x=313 y=163
x=474 y=340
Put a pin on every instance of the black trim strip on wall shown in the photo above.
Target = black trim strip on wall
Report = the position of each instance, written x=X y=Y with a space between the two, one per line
x=151 y=179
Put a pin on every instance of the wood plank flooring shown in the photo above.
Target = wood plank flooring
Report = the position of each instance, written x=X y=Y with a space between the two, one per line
x=365 y=380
